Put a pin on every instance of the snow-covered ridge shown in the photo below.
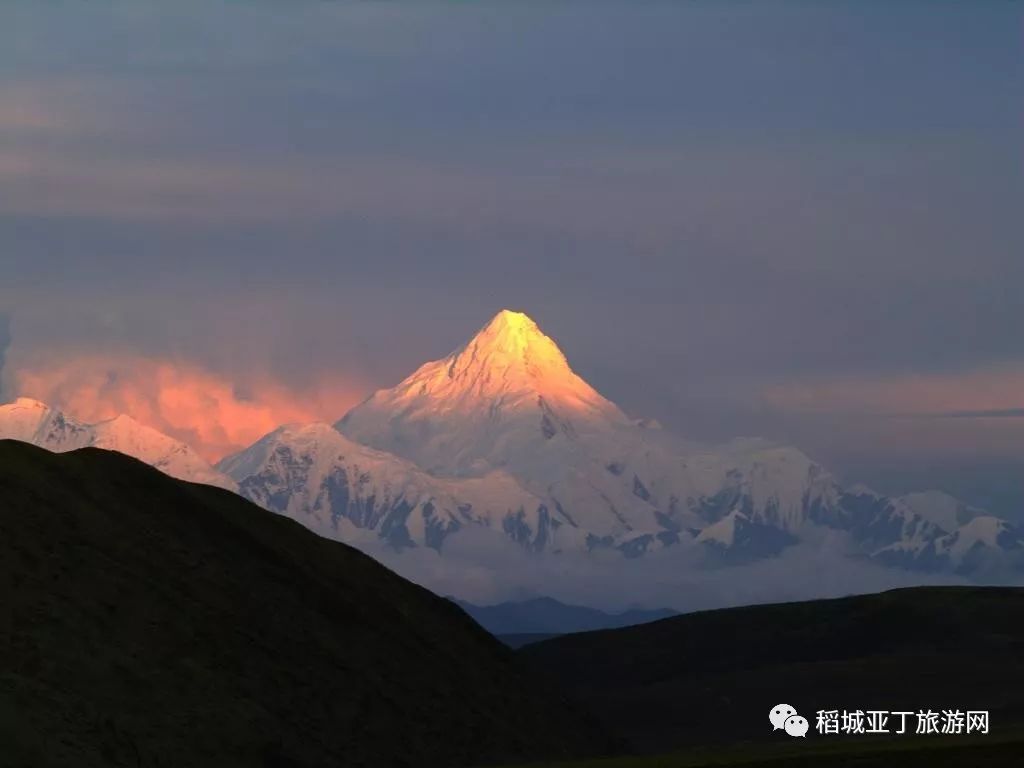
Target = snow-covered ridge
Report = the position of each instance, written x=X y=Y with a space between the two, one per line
x=504 y=423
x=502 y=434
x=34 y=422
x=316 y=475
x=941 y=508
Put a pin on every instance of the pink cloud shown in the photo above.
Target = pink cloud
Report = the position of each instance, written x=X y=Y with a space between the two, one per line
x=911 y=394
x=214 y=414
x=910 y=416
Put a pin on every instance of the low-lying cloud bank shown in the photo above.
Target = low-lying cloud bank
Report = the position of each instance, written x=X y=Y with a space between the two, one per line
x=483 y=567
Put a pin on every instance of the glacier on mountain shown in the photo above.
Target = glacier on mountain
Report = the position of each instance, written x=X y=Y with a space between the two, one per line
x=503 y=436
x=503 y=433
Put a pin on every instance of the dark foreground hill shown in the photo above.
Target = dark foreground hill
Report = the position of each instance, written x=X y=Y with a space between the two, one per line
x=711 y=678
x=150 y=622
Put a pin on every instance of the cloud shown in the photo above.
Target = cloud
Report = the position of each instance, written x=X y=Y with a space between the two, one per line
x=5 y=343
x=997 y=413
x=982 y=393
x=158 y=166
x=214 y=414
x=876 y=424
x=483 y=566
x=22 y=113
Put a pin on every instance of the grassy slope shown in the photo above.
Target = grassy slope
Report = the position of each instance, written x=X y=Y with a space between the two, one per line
x=151 y=622
x=711 y=678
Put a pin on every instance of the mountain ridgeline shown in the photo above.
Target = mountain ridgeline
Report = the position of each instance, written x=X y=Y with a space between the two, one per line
x=710 y=679
x=546 y=616
x=152 y=622
x=503 y=435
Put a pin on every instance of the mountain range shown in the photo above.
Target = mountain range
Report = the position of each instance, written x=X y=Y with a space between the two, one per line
x=152 y=622
x=546 y=616
x=34 y=422
x=502 y=435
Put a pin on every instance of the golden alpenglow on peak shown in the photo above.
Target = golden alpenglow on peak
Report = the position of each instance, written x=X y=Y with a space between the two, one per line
x=510 y=340
x=488 y=404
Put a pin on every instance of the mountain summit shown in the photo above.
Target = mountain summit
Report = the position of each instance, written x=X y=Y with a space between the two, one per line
x=510 y=356
x=480 y=407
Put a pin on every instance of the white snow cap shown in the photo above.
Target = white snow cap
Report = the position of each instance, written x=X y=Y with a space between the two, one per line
x=486 y=404
x=509 y=358
x=34 y=422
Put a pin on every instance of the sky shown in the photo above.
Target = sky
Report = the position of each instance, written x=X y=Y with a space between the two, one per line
x=799 y=220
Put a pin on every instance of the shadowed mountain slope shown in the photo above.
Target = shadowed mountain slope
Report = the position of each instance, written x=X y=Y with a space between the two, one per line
x=152 y=622
x=712 y=677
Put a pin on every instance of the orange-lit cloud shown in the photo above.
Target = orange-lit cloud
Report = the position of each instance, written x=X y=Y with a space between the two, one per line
x=212 y=413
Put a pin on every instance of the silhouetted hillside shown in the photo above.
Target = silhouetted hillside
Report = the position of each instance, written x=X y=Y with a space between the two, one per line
x=151 y=622
x=712 y=677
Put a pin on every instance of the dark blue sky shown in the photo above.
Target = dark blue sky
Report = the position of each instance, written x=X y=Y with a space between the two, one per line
x=795 y=219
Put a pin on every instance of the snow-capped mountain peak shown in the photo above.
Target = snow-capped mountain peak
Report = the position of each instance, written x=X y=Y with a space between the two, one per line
x=484 y=405
x=508 y=402
x=26 y=402
x=509 y=352
x=32 y=421
x=509 y=364
x=503 y=435
x=35 y=422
